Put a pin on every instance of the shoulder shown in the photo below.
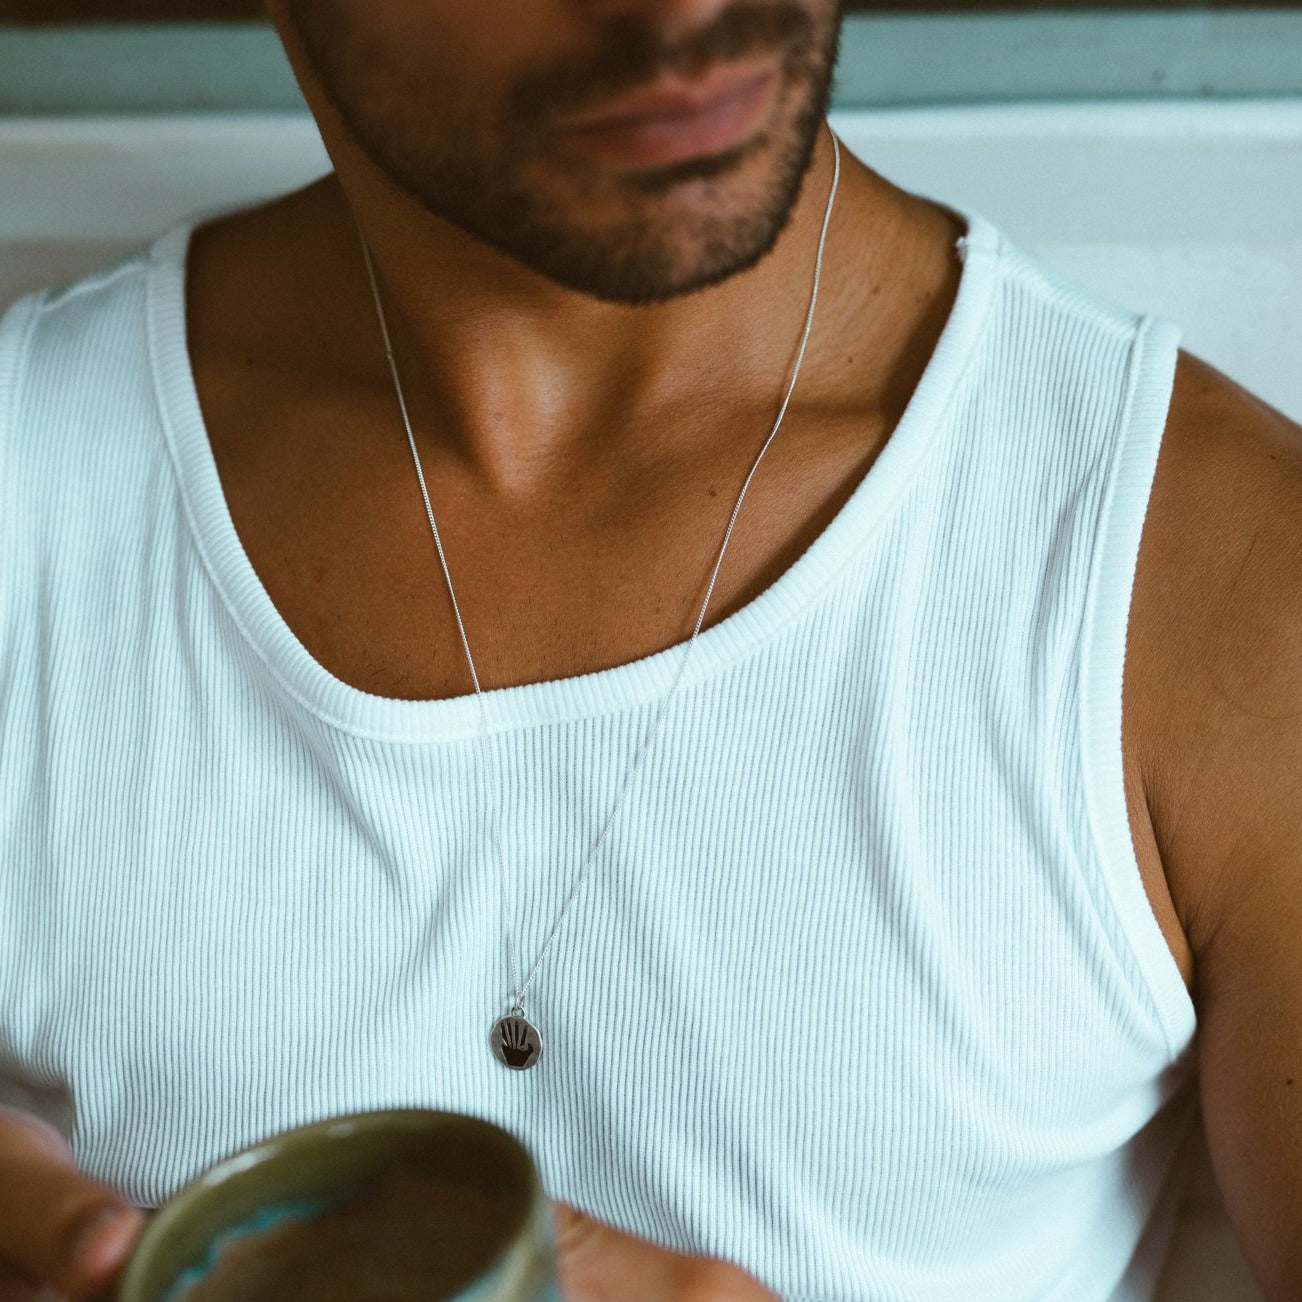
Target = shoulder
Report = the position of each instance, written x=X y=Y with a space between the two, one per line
x=1215 y=645
x=1218 y=620
x=62 y=347
x=83 y=332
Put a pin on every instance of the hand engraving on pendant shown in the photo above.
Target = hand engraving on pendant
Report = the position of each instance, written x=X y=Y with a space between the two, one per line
x=518 y=1047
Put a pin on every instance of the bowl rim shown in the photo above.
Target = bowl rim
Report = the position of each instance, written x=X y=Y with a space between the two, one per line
x=335 y=1128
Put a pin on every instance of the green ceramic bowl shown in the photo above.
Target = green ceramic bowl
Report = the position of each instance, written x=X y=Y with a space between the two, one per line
x=506 y=1257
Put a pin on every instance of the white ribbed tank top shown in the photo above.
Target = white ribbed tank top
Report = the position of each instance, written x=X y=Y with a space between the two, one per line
x=863 y=993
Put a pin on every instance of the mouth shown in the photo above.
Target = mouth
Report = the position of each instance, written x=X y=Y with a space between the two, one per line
x=675 y=123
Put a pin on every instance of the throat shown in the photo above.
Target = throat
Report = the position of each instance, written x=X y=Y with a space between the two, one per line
x=582 y=568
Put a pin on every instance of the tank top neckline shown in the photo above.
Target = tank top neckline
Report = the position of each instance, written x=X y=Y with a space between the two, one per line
x=621 y=687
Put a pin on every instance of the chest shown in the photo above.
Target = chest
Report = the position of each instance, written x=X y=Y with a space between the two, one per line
x=591 y=579
x=595 y=566
x=814 y=941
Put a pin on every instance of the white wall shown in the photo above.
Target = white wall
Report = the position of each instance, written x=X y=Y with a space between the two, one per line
x=1191 y=210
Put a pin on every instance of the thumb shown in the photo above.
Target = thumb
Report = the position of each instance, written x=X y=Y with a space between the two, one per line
x=599 y=1263
x=57 y=1226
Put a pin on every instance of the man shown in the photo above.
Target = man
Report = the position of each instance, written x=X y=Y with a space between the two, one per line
x=851 y=949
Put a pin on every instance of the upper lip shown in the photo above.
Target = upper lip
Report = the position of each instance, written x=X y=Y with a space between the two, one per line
x=672 y=97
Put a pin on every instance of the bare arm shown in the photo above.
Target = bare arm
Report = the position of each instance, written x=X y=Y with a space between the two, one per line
x=1223 y=777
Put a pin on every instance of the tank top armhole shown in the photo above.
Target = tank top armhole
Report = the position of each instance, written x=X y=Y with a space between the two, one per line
x=16 y=323
x=1141 y=424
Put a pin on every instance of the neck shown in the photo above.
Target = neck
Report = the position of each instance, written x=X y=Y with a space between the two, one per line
x=516 y=376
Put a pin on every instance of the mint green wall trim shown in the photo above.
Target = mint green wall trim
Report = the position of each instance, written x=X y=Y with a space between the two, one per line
x=899 y=61
x=145 y=69
x=1080 y=55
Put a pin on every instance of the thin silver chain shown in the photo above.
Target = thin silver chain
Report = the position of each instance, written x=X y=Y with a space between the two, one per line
x=518 y=991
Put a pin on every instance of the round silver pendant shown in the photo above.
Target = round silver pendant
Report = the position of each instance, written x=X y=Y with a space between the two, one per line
x=516 y=1042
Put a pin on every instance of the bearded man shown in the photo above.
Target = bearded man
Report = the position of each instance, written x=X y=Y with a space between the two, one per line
x=605 y=614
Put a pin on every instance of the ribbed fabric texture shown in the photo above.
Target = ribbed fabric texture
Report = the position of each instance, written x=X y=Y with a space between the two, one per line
x=863 y=992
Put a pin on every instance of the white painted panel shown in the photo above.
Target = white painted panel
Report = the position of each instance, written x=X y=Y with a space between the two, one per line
x=1193 y=210
x=123 y=178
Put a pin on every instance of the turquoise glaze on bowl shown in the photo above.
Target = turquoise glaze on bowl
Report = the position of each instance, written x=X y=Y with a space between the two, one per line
x=303 y=1172
x=266 y=1219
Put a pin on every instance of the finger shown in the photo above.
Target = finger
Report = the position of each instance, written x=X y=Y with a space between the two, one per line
x=58 y=1227
x=599 y=1263
x=17 y=1288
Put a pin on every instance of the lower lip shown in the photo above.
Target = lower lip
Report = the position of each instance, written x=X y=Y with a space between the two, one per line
x=655 y=142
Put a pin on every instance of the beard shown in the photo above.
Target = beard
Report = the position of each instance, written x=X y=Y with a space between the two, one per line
x=630 y=237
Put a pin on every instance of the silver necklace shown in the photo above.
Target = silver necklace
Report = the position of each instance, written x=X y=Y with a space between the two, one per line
x=515 y=1040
